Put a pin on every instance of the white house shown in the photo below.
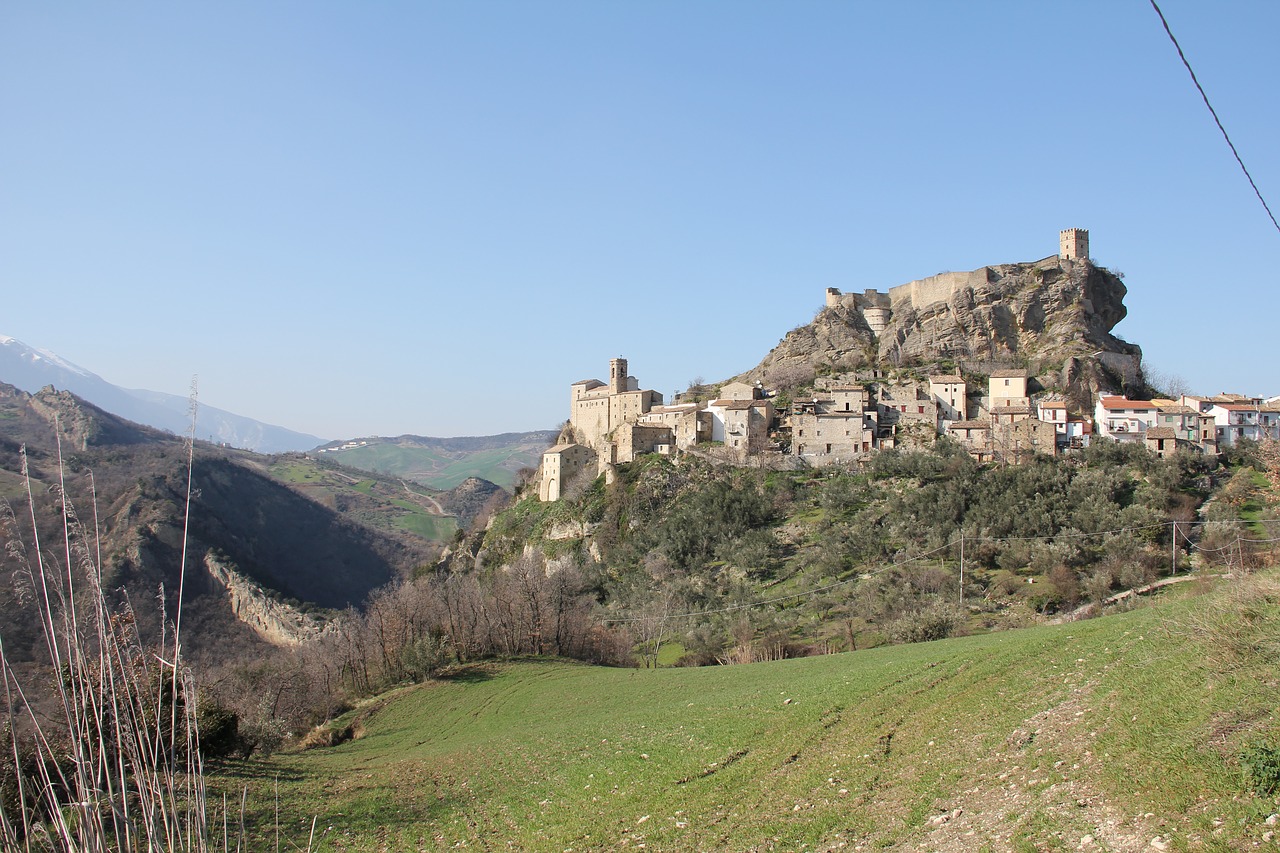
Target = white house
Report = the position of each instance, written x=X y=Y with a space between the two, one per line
x=1121 y=419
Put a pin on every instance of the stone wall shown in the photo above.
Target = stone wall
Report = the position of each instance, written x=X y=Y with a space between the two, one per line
x=937 y=288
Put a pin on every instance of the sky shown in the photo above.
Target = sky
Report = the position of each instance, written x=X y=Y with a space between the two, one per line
x=356 y=219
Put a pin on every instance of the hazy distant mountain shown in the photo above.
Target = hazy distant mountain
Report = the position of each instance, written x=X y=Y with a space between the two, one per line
x=253 y=540
x=31 y=369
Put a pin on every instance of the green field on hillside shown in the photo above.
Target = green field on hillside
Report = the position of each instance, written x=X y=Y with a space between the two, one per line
x=435 y=468
x=389 y=502
x=1105 y=735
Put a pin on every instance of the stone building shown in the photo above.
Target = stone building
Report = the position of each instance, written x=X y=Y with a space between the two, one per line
x=838 y=424
x=950 y=394
x=604 y=419
x=561 y=465
x=742 y=425
x=1023 y=438
x=907 y=414
x=974 y=436
x=1007 y=388
x=690 y=424
x=1073 y=244
x=596 y=409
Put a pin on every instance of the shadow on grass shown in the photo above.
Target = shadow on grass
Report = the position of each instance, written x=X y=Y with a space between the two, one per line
x=471 y=673
x=251 y=769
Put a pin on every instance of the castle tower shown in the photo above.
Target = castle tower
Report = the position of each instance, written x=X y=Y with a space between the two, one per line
x=617 y=375
x=1073 y=244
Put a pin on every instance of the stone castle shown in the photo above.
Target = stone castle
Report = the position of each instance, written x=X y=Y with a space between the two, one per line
x=877 y=308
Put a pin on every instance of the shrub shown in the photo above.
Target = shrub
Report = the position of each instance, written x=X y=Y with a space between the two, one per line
x=1260 y=762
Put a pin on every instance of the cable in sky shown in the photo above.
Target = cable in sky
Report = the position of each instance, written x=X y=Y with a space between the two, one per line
x=1214 y=113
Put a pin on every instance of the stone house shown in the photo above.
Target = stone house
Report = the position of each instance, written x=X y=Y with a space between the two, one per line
x=837 y=436
x=1163 y=441
x=837 y=426
x=1020 y=439
x=690 y=424
x=907 y=413
x=742 y=425
x=975 y=437
x=1188 y=424
x=561 y=465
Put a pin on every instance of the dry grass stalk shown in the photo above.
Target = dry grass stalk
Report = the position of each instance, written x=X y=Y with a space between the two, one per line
x=116 y=765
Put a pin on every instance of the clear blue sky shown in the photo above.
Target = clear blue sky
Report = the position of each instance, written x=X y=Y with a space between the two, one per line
x=377 y=218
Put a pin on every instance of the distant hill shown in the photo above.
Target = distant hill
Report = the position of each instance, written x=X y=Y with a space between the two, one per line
x=444 y=463
x=386 y=501
x=31 y=369
x=255 y=542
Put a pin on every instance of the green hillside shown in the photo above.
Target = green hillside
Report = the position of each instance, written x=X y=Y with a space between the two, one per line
x=385 y=502
x=1106 y=734
x=443 y=463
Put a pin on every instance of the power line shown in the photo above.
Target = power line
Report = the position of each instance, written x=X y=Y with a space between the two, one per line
x=1214 y=113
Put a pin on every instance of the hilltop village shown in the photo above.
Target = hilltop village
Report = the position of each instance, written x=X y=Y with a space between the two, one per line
x=848 y=417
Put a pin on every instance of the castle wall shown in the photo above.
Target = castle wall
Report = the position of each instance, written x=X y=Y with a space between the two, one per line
x=936 y=288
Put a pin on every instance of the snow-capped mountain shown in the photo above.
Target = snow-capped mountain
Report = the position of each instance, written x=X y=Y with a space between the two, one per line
x=30 y=369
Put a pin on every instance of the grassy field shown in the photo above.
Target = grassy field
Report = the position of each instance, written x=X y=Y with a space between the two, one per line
x=385 y=502
x=1103 y=735
x=436 y=468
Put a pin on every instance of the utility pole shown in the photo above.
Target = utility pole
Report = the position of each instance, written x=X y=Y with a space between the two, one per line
x=1173 y=551
x=962 y=569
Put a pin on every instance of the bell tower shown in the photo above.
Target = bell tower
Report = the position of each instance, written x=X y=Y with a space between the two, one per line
x=617 y=375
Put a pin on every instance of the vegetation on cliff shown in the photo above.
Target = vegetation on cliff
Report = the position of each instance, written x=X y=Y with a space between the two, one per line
x=744 y=564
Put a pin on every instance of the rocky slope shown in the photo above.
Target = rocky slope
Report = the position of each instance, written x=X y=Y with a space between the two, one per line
x=1054 y=319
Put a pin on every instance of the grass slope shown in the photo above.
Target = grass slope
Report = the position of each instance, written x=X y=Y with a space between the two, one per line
x=1103 y=735
x=385 y=502
x=444 y=463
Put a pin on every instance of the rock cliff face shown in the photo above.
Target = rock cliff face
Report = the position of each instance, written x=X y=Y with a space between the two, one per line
x=1052 y=317
x=274 y=621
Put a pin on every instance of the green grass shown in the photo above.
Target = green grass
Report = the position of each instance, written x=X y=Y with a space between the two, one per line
x=437 y=469
x=1038 y=736
x=386 y=507
x=433 y=527
x=669 y=653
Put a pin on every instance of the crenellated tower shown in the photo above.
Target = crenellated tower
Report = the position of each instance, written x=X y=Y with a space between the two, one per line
x=1073 y=244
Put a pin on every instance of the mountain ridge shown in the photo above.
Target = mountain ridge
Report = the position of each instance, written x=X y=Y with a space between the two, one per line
x=31 y=368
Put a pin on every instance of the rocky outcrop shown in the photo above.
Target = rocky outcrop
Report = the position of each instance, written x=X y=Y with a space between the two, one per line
x=1051 y=317
x=274 y=621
